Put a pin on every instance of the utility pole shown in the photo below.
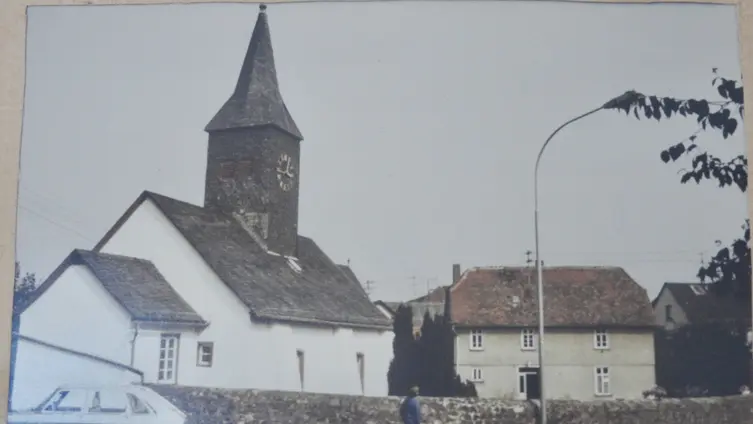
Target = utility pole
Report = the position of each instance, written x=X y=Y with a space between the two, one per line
x=413 y=284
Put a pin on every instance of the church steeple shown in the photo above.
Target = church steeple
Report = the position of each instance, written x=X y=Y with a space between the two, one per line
x=256 y=100
x=253 y=154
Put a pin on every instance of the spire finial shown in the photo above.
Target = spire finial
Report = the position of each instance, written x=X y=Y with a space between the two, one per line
x=262 y=7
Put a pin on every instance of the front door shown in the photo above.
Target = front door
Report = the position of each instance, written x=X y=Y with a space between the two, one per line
x=529 y=386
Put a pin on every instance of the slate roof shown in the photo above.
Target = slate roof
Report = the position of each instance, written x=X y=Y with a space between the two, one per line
x=573 y=297
x=256 y=100
x=134 y=283
x=321 y=293
x=709 y=307
x=349 y=273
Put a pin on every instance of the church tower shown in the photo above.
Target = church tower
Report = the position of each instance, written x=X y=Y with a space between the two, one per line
x=254 y=149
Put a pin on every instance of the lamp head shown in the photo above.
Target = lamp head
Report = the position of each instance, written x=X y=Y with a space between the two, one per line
x=623 y=100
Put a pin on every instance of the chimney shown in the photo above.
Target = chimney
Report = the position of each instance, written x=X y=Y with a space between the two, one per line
x=455 y=273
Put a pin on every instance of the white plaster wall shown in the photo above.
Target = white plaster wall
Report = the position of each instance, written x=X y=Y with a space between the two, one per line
x=569 y=361
x=76 y=312
x=146 y=353
x=246 y=354
x=40 y=370
x=678 y=315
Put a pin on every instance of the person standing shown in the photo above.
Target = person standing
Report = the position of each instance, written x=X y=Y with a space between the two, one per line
x=410 y=411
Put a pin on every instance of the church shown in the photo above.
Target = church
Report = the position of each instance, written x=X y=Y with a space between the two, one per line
x=226 y=294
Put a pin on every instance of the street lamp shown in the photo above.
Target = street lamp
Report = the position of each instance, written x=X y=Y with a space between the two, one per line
x=620 y=102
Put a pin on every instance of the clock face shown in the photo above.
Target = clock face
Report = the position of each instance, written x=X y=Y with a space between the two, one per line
x=285 y=172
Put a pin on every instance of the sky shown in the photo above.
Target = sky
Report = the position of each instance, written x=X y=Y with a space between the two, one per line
x=421 y=125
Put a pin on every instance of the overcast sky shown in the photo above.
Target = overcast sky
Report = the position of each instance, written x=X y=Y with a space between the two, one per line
x=421 y=123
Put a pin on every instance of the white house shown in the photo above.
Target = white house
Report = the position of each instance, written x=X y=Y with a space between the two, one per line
x=224 y=294
x=599 y=332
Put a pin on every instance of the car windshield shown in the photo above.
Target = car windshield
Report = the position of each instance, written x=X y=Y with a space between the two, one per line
x=65 y=401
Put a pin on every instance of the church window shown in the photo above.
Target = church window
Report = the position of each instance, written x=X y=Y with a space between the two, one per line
x=258 y=222
x=227 y=170
x=243 y=168
x=301 y=368
x=361 y=370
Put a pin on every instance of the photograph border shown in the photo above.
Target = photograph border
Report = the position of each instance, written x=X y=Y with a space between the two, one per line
x=13 y=28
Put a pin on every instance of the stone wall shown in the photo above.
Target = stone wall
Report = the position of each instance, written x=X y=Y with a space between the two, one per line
x=215 y=406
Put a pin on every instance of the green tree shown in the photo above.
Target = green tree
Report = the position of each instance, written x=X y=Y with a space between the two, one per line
x=402 y=373
x=426 y=361
x=23 y=288
x=730 y=268
x=437 y=376
x=685 y=356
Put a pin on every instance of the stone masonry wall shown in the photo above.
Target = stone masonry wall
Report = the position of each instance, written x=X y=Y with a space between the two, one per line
x=216 y=406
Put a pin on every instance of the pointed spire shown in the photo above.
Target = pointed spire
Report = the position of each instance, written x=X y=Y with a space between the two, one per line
x=256 y=100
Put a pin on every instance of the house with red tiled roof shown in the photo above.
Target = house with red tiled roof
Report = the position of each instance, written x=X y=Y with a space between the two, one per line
x=599 y=332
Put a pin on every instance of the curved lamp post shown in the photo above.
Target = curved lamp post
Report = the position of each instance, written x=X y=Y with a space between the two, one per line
x=619 y=102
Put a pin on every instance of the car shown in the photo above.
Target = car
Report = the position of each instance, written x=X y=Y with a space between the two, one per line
x=128 y=404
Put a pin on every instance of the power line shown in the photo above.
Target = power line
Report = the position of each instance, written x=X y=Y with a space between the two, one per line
x=54 y=222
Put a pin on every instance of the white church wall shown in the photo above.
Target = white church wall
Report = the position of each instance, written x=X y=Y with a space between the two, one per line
x=41 y=369
x=77 y=313
x=246 y=354
x=148 y=234
x=147 y=353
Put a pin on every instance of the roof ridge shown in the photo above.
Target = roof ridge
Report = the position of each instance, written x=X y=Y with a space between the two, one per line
x=532 y=267
x=113 y=255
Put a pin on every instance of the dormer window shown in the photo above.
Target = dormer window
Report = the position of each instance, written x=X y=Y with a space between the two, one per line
x=698 y=289
x=293 y=264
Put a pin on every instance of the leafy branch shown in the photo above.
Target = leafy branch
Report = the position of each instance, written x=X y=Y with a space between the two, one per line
x=731 y=266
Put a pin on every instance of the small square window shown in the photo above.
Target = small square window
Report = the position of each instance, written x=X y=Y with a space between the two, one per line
x=205 y=354
x=477 y=340
x=601 y=340
x=476 y=375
